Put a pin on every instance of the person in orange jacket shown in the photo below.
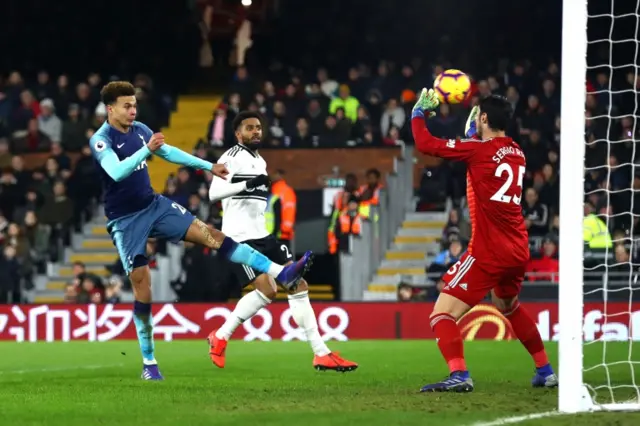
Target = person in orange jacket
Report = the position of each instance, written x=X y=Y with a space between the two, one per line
x=349 y=223
x=369 y=194
x=286 y=208
x=340 y=201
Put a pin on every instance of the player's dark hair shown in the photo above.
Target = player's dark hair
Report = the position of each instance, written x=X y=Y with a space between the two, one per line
x=243 y=115
x=112 y=91
x=498 y=111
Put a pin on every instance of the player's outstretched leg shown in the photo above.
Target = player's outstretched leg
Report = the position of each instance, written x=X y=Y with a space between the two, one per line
x=304 y=316
x=289 y=275
x=265 y=291
x=141 y=282
x=527 y=332
x=446 y=313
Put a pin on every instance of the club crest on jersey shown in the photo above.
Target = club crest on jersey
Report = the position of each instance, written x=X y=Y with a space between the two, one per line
x=451 y=143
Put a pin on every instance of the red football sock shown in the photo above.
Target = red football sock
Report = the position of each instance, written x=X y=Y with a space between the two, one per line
x=449 y=341
x=527 y=332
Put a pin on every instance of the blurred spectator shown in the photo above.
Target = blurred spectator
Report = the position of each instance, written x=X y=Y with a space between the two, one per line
x=536 y=214
x=70 y=294
x=303 y=138
x=546 y=266
x=57 y=211
x=63 y=97
x=10 y=195
x=536 y=150
x=284 y=205
x=28 y=110
x=349 y=223
x=48 y=123
x=594 y=231
x=100 y=116
x=220 y=132
x=242 y=84
x=10 y=273
x=33 y=140
x=343 y=125
x=445 y=124
x=345 y=101
x=369 y=194
x=446 y=258
x=85 y=102
x=74 y=130
x=5 y=154
x=393 y=116
x=328 y=86
x=408 y=293
x=84 y=186
x=456 y=229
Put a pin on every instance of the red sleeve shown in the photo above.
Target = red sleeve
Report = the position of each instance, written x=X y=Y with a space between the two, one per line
x=454 y=149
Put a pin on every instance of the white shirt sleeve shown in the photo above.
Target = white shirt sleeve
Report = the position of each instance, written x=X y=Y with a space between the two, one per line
x=220 y=188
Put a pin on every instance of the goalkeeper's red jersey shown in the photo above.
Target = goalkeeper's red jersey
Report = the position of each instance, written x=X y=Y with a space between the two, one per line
x=495 y=171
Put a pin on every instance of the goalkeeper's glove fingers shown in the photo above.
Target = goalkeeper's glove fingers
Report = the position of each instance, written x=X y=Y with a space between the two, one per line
x=470 y=127
x=428 y=101
x=258 y=181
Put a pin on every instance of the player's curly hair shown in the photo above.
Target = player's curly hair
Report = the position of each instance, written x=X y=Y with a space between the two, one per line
x=243 y=115
x=498 y=110
x=113 y=90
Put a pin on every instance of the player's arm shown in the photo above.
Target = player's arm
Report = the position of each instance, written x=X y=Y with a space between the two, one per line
x=454 y=149
x=111 y=164
x=221 y=189
x=178 y=156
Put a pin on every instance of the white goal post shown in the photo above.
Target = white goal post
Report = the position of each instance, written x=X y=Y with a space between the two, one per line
x=575 y=393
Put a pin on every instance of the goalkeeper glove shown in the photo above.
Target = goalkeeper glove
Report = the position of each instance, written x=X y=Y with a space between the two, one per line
x=258 y=181
x=427 y=102
x=470 y=129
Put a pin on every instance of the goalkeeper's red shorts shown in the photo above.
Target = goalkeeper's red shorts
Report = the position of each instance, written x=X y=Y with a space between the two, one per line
x=470 y=281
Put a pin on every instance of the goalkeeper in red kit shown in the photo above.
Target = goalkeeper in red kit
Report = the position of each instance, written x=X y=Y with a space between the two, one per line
x=499 y=248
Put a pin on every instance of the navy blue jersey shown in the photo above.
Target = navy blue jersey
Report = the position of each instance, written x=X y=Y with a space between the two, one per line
x=130 y=191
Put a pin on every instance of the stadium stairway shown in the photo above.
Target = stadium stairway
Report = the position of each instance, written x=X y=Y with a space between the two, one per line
x=187 y=124
x=93 y=247
x=415 y=244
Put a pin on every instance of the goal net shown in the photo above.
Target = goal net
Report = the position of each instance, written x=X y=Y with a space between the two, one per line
x=599 y=309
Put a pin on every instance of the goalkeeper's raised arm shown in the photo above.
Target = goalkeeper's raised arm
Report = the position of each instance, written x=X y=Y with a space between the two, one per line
x=429 y=144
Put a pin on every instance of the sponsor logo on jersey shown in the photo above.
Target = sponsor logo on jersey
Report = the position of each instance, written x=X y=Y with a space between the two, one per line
x=141 y=166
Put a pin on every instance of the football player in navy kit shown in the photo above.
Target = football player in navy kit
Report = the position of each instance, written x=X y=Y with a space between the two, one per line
x=135 y=212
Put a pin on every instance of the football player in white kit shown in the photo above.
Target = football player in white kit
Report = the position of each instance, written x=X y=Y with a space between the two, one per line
x=244 y=201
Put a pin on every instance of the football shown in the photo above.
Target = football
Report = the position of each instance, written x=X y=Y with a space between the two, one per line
x=452 y=86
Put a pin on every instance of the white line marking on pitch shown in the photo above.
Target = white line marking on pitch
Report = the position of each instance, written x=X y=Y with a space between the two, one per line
x=518 y=419
x=55 y=369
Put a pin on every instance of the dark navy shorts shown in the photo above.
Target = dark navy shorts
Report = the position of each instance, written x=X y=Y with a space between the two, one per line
x=163 y=218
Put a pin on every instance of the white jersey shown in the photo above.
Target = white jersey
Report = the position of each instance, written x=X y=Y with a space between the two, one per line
x=243 y=214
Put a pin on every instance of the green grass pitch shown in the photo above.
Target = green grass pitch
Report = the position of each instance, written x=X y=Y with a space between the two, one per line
x=273 y=383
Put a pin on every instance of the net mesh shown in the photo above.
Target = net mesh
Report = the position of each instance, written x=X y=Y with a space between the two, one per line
x=612 y=208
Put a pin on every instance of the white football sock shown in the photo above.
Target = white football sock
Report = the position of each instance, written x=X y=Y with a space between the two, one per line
x=247 y=307
x=274 y=270
x=303 y=315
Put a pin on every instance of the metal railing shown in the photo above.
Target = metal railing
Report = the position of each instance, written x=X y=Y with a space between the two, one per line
x=359 y=263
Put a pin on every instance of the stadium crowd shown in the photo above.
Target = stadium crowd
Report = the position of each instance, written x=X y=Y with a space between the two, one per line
x=369 y=107
x=364 y=106
x=40 y=208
